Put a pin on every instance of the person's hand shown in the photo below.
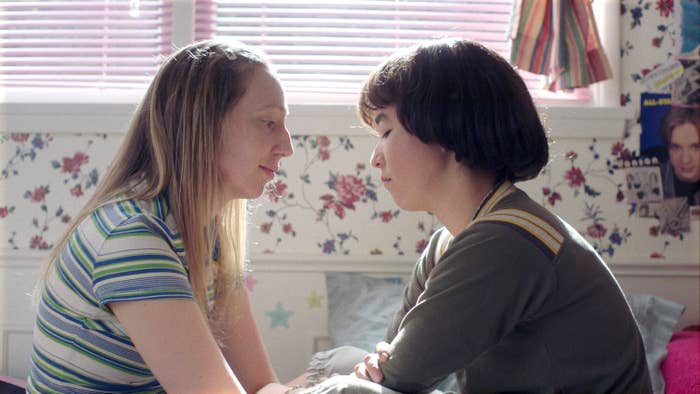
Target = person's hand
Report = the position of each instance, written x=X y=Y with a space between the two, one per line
x=274 y=388
x=370 y=369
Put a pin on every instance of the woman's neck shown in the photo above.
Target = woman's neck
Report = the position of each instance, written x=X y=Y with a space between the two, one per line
x=461 y=197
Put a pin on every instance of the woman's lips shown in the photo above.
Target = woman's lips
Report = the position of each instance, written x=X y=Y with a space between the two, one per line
x=269 y=171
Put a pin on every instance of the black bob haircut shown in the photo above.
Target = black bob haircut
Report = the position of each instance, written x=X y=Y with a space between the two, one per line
x=466 y=98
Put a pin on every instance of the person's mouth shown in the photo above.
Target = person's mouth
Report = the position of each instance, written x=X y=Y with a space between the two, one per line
x=269 y=170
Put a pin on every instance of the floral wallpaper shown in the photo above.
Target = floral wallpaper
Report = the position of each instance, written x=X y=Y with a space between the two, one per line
x=327 y=200
x=647 y=41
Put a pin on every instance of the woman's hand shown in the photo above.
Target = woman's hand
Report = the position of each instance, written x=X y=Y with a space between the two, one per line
x=274 y=388
x=370 y=369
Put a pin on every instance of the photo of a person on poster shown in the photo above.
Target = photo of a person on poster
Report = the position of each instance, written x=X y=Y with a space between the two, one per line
x=680 y=135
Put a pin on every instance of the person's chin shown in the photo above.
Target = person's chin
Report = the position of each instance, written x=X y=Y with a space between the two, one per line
x=690 y=178
x=405 y=205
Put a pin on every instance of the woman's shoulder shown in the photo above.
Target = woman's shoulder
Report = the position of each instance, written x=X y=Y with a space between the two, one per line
x=125 y=216
x=517 y=222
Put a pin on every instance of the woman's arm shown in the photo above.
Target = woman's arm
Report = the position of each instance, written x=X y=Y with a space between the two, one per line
x=176 y=344
x=242 y=344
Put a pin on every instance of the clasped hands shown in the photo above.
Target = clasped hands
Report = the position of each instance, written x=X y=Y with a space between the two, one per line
x=370 y=369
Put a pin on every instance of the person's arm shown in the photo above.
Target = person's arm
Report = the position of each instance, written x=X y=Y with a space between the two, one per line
x=242 y=343
x=475 y=295
x=175 y=342
x=416 y=283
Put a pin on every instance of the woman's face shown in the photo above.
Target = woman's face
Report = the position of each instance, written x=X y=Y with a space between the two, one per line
x=410 y=169
x=684 y=152
x=253 y=138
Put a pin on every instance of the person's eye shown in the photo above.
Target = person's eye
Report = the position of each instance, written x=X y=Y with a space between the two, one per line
x=386 y=133
x=270 y=124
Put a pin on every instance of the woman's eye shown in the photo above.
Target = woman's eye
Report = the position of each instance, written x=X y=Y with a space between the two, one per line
x=270 y=124
x=386 y=133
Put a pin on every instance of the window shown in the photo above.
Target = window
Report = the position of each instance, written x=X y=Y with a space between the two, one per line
x=322 y=49
x=83 y=44
x=326 y=48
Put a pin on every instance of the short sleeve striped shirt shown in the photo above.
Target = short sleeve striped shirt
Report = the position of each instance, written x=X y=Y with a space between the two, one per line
x=125 y=250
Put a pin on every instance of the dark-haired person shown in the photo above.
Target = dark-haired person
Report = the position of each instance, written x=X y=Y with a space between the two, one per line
x=680 y=135
x=507 y=294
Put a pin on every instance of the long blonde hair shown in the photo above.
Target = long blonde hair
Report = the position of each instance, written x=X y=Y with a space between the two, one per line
x=171 y=147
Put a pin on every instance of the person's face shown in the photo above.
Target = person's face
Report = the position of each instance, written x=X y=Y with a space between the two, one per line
x=684 y=152
x=409 y=168
x=253 y=138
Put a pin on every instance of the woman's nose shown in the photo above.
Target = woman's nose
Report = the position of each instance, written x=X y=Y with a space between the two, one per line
x=377 y=158
x=286 y=148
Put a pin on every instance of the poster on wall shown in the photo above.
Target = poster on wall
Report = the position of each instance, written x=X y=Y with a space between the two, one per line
x=665 y=181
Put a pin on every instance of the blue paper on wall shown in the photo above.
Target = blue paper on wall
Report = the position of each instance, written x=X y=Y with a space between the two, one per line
x=653 y=107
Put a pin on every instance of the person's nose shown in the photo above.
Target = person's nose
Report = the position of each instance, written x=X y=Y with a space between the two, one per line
x=285 y=147
x=686 y=156
x=377 y=158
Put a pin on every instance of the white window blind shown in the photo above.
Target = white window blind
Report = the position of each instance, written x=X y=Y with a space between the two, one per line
x=83 y=43
x=326 y=48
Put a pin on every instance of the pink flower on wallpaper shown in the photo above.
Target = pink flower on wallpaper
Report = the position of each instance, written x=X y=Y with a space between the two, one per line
x=657 y=41
x=323 y=141
x=287 y=228
x=323 y=144
x=37 y=242
x=38 y=194
x=575 y=177
x=72 y=164
x=386 y=216
x=324 y=154
x=265 y=228
x=339 y=210
x=654 y=231
x=77 y=191
x=4 y=211
x=596 y=230
x=657 y=255
x=19 y=137
x=350 y=189
x=617 y=148
x=420 y=245
x=553 y=198
x=250 y=281
x=276 y=191
x=665 y=7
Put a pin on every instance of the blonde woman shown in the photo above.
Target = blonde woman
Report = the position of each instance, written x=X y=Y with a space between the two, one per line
x=143 y=292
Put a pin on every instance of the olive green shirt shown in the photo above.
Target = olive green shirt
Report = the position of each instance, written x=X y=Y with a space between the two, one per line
x=519 y=301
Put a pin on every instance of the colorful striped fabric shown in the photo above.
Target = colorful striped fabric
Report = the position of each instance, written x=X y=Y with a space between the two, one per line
x=125 y=250
x=559 y=39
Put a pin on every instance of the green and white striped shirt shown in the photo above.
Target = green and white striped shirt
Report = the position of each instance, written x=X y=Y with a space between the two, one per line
x=125 y=250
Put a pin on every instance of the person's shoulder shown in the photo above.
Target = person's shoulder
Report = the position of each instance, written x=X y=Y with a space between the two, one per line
x=126 y=217
x=519 y=223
